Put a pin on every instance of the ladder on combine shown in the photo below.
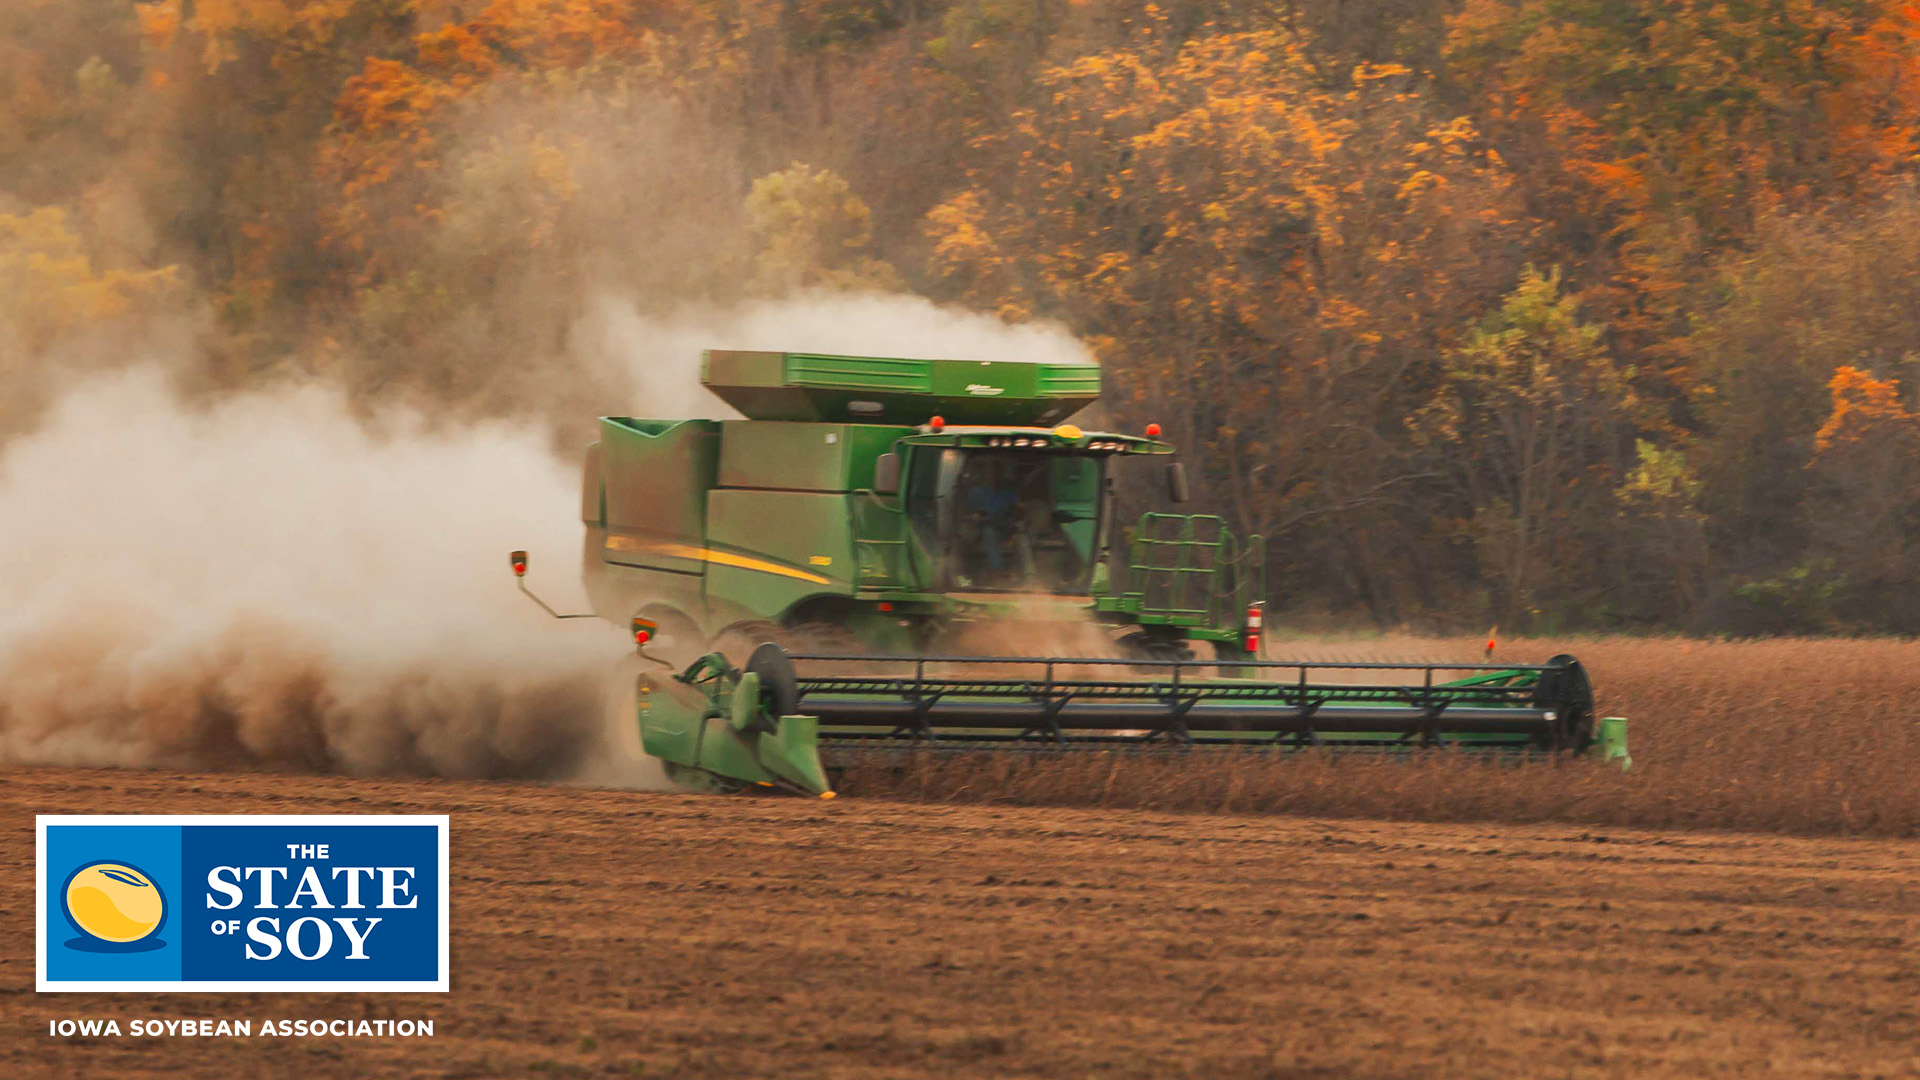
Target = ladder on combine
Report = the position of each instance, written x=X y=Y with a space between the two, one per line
x=1191 y=571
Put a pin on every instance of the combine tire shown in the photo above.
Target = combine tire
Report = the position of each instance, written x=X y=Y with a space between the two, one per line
x=1139 y=646
x=1228 y=651
x=1568 y=691
x=778 y=683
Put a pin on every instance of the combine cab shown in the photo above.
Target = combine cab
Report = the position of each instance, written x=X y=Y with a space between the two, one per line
x=884 y=505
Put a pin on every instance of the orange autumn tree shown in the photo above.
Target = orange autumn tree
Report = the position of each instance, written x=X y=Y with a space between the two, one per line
x=392 y=121
x=231 y=101
x=497 y=178
x=1266 y=265
x=355 y=179
x=1652 y=131
x=1865 y=410
x=1688 y=161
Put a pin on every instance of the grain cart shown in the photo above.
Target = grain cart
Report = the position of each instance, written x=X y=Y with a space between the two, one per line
x=880 y=503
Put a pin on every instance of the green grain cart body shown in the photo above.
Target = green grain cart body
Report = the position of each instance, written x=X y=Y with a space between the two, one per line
x=783 y=518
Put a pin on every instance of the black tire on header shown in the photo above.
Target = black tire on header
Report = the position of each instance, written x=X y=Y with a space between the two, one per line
x=1568 y=691
x=779 y=686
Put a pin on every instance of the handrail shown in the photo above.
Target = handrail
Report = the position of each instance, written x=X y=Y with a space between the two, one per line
x=1234 y=575
x=1289 y=665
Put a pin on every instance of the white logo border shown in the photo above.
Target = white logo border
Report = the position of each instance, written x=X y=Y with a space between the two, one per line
x=440 y=822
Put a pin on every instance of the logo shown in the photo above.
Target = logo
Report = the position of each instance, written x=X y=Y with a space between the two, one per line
x=115 y=906
x=983 y=390
x=269 y=903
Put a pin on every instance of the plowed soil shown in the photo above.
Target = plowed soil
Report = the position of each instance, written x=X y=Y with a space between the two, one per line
x=600 y=932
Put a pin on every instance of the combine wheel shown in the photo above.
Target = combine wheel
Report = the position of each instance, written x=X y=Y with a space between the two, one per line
x=778 y=683
x=1567 y=690
x=1230 y=651
x=1141 y=646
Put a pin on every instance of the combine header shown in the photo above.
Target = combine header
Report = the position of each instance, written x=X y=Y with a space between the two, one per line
x=722 y=727
x=880 y=505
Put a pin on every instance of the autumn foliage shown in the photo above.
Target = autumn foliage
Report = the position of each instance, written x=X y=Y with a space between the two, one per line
x=1559 y=315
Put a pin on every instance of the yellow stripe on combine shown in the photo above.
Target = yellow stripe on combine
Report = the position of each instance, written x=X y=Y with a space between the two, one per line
x=638 y=546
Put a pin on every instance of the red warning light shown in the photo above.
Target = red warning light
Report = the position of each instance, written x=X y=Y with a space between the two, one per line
x=519 y=564
x=1153 y=431
x=886 y=605
x=641 y=637
x=937 y=423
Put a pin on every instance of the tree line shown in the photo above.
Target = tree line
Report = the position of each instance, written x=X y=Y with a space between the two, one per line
x=1560 y=314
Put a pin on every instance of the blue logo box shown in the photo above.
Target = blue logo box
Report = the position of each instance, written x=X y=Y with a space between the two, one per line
x=241 y=903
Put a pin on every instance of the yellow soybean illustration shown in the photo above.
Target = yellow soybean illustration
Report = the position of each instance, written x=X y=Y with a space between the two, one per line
x=114 y=902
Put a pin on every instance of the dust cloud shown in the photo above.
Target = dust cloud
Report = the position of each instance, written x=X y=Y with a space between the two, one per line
x=661 y=355
x=283 y=546
x=270 y=581
x=278 y=578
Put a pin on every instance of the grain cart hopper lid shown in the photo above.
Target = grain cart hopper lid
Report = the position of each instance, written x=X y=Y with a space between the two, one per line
x=895 y=390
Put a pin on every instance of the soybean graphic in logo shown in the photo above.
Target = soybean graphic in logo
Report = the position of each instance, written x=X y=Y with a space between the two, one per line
x=116 y=907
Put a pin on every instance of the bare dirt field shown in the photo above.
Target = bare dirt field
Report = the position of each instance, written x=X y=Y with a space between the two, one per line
x=600 y=933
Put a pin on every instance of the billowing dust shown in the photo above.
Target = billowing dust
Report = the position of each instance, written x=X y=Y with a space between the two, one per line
x=274 y=578
x=269 y=582
x=661 y=355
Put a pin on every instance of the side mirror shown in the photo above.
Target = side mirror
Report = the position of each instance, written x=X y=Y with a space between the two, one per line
x=886 y=474
x=1177 y=482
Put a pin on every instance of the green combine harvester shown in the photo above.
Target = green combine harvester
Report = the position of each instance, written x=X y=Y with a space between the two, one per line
x=883 y=507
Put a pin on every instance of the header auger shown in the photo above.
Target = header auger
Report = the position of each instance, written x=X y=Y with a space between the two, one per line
x=878 y=508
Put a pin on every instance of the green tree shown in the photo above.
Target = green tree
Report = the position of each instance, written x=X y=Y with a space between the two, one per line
x=1532 y=420
x=1665 y=533
x=812 y=232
